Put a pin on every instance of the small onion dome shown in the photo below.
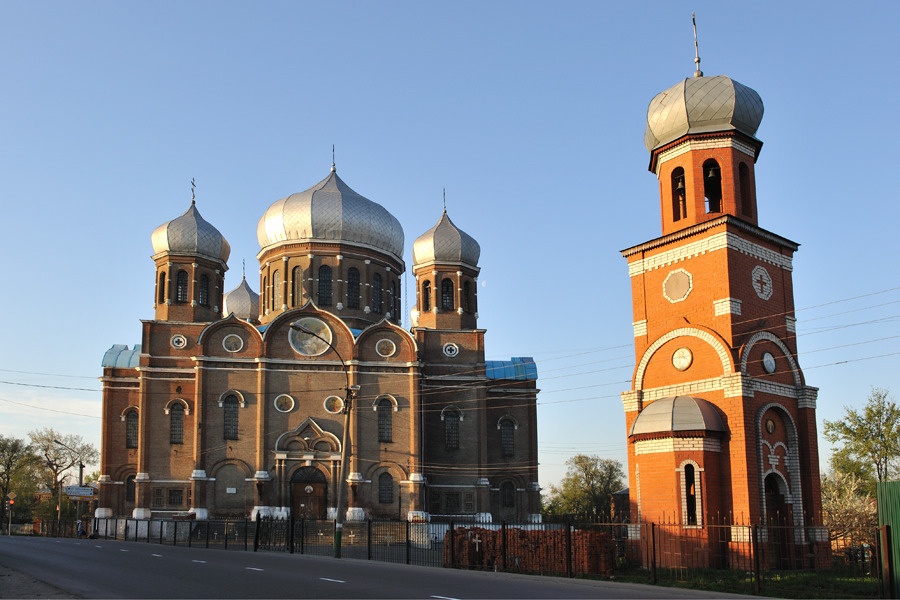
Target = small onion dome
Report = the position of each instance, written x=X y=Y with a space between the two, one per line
x=445 y=242
x=702 y=105
x=190 y=234
x=242 y=301
x=677 y=413
x=331 y=211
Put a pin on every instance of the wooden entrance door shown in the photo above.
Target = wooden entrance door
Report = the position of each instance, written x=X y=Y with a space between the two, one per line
x=308 y=500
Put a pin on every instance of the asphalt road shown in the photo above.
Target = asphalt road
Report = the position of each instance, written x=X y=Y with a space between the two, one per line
x=109 y=569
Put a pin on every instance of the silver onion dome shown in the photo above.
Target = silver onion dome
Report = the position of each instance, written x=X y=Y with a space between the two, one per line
x=331 y=211
x=702 y=105
x=445 y=242
x=190 y=234
x=242 y=301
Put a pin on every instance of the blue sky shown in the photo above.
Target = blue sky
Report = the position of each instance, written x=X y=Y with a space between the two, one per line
x=531 y=115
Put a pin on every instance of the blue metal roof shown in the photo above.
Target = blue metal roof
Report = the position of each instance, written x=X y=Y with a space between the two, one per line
x=121 y=357
x=521 y=368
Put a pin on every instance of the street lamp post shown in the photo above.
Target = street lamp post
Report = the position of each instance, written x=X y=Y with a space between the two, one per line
x=351 y=391
x=80 y=483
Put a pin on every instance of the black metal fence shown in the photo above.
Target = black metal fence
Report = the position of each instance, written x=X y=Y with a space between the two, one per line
x=780 y=561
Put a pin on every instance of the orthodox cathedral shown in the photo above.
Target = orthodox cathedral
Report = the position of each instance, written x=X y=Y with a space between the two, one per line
x=721 y=424
x=237 y=404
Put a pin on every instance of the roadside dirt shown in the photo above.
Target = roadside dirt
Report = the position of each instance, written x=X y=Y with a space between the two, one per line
x=14 y=584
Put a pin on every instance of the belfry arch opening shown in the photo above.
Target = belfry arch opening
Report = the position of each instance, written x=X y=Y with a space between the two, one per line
x=679 y=202
x=712 y=186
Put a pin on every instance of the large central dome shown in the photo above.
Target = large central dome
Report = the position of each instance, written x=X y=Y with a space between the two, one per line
x=331 y=212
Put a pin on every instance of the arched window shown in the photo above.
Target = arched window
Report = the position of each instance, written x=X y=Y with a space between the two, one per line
x=507 y=494
x=467 y=297
x=392 y=302
x=385 y=420
x=397 y=303
x=203 y=292
x=353 y=287
x=264 y=296
x=385 y=488
x=426 y=295
x=161 y=289
x=377 y=302
x=744 y=175
x=277 y=292
x=296 y=285
x=679 y=203
x=507 y=437
x=176 y=424
x=691 y=494
x=447 y=294
x=231 y=406
x=131 y=429
x=181 y=287
x=129 y=488
x=324 y=285
x=451 y=429
x=712 y=186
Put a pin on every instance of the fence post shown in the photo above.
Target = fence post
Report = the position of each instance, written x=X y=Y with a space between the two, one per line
x=569 y=548
x=503 y=548
x=149 y=521
x=408 y=547
x=368 y=539
x=161 y=523
x=653 y=553
x=302 y=535
x=754 y=549
x=246 y=532
x=290 y=535
x=190 y=535
x=224 y=532
x=174 y=532
x=256 y=533
x=452 y=547
x=887 y=575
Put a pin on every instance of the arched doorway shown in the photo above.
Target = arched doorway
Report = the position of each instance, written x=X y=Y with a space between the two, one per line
x=309 y=493
x=779 y=516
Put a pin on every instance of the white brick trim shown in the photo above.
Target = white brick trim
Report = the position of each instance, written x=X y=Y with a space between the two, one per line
x=709 y=338
x=640 y=328
x=719 y=241
x=727 y=306
x=659 y=446
x=692 y=145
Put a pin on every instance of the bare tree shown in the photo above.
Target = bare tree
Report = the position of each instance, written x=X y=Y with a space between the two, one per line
x=56 y=459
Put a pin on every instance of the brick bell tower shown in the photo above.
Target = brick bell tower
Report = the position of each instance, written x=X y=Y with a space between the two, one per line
x=721 y=424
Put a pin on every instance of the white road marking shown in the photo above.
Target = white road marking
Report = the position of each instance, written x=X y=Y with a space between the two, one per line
x=444 y=598
x=252 y=569
x=122 y=550
x=199 y=561
x=334 y=580
x=98 y=546
x=157 y=555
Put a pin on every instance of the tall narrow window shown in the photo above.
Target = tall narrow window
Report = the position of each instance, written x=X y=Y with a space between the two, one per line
x=690 y=491
x=385 y=488
x=467 y=297
x=176 y=424
x=426 y=295
x=385 y=420
x=507 y=437
x=377 y=302
x=397 y=303
x=392 y=300
x=264 y=296
x=451 y=429
x=324 y=285
x=679 y=204
x=131 y=429
x=161 y=289
x=296 y=286
x=447 y=294
x=203 y=292
x=744 y=175
x=129 y=488
x=231 y=406
x=507 y=494
x=712 y=186
x=181 y=287
x=353 y=287
x=277 y=291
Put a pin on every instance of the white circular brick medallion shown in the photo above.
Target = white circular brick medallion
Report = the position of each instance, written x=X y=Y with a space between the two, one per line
x=385 y=347
x=762 y=282
x=678 y=285
x=178 y=341
x=233 y=343
x=451 y=350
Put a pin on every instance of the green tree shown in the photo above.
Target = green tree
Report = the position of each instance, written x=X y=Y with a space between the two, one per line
x=56 y=460
x=587 y=488
x=15 y=457
x=870 y=436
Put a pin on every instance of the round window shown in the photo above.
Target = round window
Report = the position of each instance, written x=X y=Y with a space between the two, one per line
x=334 y=404
x=309 y=336
x=179 y=342
x=451 y=350
x=284 y=403
x=233 y=343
